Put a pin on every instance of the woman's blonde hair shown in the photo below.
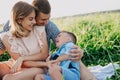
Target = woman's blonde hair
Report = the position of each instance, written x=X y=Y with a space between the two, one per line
x=19 y=11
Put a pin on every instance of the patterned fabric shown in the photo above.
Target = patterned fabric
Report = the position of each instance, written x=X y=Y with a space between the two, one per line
x=1 y=45
x=5 y=29
x=51 y=31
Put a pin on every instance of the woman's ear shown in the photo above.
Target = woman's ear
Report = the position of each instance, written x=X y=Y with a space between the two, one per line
x=19 y=21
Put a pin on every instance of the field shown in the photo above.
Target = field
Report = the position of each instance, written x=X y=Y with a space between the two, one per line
x=98 y=35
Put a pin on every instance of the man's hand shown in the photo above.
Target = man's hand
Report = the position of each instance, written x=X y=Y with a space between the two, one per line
x=76 y=53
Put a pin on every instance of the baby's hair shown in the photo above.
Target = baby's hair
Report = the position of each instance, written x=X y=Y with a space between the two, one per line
x=73 y=37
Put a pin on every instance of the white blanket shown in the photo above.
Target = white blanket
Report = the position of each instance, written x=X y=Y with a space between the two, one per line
x=102 y=72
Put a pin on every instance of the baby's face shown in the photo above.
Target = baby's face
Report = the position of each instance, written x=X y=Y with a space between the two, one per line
x=61 y=39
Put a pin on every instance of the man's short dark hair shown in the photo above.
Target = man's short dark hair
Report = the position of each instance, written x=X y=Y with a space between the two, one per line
x=41 y=6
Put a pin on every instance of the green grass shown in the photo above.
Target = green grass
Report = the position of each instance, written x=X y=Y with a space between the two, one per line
x=98 y=35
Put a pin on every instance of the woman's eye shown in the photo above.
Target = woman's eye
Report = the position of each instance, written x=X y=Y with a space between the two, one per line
x=30 y=19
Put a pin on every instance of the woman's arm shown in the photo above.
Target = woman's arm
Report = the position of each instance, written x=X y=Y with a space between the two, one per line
x=8 y=46
x=34 y=64
x=38 y=56
x=43 y=54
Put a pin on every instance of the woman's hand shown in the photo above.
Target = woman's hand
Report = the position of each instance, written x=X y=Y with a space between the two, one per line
x=17 y=66
x=76 y=53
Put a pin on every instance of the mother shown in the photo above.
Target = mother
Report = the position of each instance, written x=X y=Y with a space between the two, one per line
x=24 y=41
x=43 y=14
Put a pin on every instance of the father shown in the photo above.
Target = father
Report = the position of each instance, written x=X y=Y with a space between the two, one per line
x=43 y=10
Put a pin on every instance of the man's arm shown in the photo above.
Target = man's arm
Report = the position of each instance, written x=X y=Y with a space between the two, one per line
x=76 y=55
x=5 y=28
x=77 y=52
x=52 y=31
x=85 y=73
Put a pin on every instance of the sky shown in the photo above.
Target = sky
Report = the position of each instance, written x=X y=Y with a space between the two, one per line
x=62 y=8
